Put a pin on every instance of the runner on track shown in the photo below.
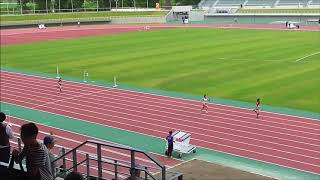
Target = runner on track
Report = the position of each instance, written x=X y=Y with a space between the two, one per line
x=204 y=101
x=258 y=108
x=60 y=84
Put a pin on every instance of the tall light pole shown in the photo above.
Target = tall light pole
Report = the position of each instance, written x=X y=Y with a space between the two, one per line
x=47 y=6
x=72 y=5
x=34 y=7
x=20 y=7
x=97 y=5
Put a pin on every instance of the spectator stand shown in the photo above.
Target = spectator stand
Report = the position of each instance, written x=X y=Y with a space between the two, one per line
x=181 y=13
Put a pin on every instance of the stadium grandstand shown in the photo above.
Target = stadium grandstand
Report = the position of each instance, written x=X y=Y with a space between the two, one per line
x=260 y=3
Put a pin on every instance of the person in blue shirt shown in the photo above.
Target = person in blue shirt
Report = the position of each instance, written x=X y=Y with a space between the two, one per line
x=170 y=144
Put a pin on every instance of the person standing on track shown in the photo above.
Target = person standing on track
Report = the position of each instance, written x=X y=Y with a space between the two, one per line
x=258 y=107
x=60 y=84
x=204 y=101
x=170 y=140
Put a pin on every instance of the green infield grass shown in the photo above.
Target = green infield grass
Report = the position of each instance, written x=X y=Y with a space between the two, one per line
x=280 y=67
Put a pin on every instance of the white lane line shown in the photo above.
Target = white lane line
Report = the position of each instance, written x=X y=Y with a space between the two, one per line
x=199 y=146
x=178 y=119
x=214 y=137
x=205 y=140
x=177 y=124
x=178 y=107
x=305 y=57
x=164 y=96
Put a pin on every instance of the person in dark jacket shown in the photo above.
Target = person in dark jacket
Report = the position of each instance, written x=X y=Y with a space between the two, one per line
x=170 y=144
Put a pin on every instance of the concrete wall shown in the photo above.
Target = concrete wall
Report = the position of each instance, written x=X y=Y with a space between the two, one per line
x=261 y=18
x=138 y=20
x=196 y=15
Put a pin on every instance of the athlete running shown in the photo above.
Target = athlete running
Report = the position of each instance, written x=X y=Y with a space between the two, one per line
x=204 y=101
x=258 y=108
x=60 y=84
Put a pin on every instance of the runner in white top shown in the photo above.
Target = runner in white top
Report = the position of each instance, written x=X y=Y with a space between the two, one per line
x=258 y=108
x=204 y=101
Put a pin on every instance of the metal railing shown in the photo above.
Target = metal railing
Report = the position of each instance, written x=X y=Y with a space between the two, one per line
x=97 y=161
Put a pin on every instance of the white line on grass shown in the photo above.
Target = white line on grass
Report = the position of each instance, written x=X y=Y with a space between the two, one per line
x=304 y=57
x=234 y=59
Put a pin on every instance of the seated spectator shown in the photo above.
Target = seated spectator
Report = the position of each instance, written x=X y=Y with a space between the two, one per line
x=5 y=134
x=36 y=154
x=49 y=142
x=74 y=176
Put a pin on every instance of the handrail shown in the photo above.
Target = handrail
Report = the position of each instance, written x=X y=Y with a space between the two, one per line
x=100 y=160
x=138 y=168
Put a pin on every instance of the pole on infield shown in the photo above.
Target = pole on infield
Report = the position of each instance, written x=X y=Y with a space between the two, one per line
x=84 y=76
x=115 y=82
x=58 y=76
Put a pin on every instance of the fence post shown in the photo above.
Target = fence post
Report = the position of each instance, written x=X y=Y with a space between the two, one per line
x=145 y=173
x=74 y=160
x=64 y=162
x=99 y=161
x=163 y=173
x=88 y=166
x=115 y=169
x=133 y=165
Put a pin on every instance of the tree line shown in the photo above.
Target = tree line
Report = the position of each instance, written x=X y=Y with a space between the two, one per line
x=54 y=5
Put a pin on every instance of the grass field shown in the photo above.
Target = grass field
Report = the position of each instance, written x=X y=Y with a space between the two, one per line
x=290 y=11
x=79 y=15
x=232 y=64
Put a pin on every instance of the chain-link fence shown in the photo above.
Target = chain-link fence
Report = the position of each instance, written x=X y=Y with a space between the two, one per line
x=57 y=6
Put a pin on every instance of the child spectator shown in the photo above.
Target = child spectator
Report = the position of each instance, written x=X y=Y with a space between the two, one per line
x=5 y=134
x=36 y=154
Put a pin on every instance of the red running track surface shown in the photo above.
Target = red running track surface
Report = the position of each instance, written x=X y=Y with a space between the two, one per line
x=280 y=139
x=29 y=35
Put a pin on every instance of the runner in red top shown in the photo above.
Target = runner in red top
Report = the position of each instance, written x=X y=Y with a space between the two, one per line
x=258 y=108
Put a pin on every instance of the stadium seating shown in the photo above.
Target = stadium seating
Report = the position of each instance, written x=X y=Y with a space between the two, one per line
x=260 y=2
x=292 y=2
x=208 y=3
x=315 y=2
x=230 y=2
